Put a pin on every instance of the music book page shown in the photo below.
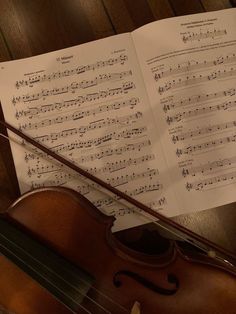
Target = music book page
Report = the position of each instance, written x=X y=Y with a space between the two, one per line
x=151 y=112
x=88 y=103
x=189 y=69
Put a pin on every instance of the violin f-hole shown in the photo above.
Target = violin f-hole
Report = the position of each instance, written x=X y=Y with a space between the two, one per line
x=171 y=278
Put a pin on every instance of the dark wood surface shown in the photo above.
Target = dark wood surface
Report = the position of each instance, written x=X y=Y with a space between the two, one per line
x=34 y=27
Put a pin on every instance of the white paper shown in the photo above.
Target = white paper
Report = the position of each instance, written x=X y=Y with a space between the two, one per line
x=151 y=112
x=88 y=103
x=189 y=69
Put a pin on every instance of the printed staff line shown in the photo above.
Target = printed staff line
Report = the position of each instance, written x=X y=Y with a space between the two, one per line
x=209 y=102
x=78 y=101
x=119 y=180
x=154 y=205
x=109 y=201
x=196 y=137
x=209 y=135
x=115 y=151
x=218 y=187
x=104 y=152
x=96 y=124
x=125 y=179
x=227 y=105
x=197 y=153
x=201 y=184
x=219 y=170
x=109 y=167
x=89 y=157
x=40 y=116
x=132 y=133
x=193 y=80
x=190 y=66
x=191 y=73
x=154 y=60
x=34 y=185
x=186 y=121
x=206 y=116
x=208 y=151
x=123 y=140
x=84 y=113
x=209 y=166
x=133 y=210
x=204 y=35
x=200 y=133
x=206 y=99
x=213 y=143
x=71 y=88
x=35 y=79
x=182 y=90
x=55 y=182
x=232 y=78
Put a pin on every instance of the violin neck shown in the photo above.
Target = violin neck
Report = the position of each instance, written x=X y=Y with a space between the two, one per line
x=69 y=284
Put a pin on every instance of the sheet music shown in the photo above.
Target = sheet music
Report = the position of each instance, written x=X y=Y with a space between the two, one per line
x=88 y=103
x=189 y=68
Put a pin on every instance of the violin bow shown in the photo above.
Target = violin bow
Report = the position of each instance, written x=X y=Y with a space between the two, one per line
x=186 y=234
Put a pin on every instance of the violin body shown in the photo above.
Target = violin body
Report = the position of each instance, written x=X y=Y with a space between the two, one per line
x=67 y=223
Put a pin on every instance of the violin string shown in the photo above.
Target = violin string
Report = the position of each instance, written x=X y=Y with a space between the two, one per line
x=43 y=277
x=84 y=281
x=57 y=275
x=192 y=235
x=105 y=192
x=210 y=252
x=171 y=231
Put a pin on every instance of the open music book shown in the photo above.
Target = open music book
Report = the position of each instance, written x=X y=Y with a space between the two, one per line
x=151 y=112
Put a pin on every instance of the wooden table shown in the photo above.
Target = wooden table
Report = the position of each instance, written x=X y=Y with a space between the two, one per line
x=30 y=28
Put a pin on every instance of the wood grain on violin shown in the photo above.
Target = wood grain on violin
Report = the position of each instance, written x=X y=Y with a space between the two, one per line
x=105 y=276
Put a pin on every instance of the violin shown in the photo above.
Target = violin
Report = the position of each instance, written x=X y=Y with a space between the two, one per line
x=60 y=256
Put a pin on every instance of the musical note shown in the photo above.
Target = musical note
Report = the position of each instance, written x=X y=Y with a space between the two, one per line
x=196 y=79
x=94 y=111
x=62 y=178
x=76 y=102
x=121 y=164
x=194 y=65
x=127 y=119
x=209 y=167
x=45 y=169
x=139 y=190
x=214 y=143
x=115 y=151
x=80 y=114
x=155 y=205
x=203 y=35
x=207 y=183
x=71 y=88
x=196 y=99
x=32 y=80
x=203 y=131
x=199 y=111
x=124 y=179
x=95 y=156
x=109 y=166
